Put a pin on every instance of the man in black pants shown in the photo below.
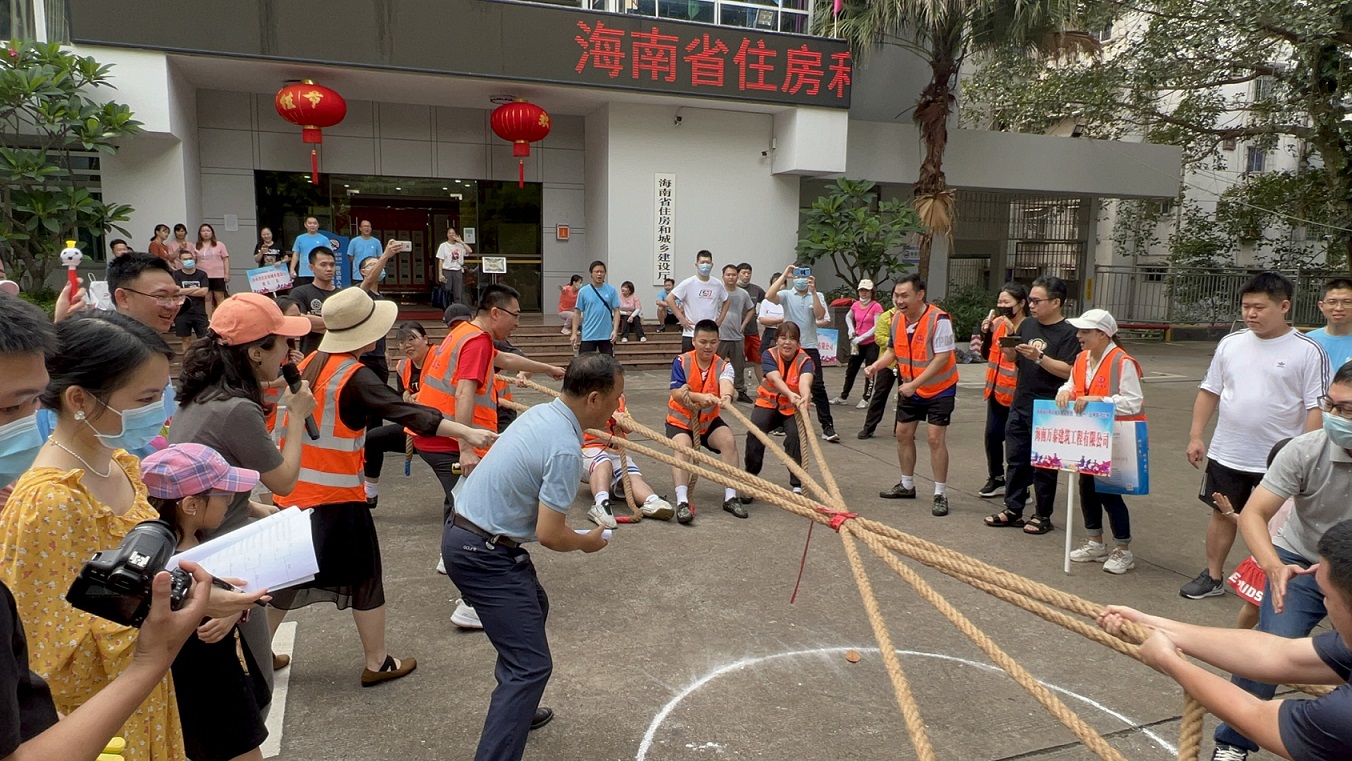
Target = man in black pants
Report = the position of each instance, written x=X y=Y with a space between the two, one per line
x=1044 y=359
x=883 y=382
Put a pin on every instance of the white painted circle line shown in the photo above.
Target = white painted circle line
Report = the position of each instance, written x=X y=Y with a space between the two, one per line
x=646 y=743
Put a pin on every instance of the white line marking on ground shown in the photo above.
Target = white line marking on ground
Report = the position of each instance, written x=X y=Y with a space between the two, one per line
x=646 y=743
x=283 y=643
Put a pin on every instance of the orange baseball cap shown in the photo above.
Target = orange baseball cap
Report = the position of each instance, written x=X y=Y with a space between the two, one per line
x=248 y=317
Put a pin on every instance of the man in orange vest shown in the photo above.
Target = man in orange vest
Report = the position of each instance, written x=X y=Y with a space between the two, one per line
x=922 y=346
x=701 y=383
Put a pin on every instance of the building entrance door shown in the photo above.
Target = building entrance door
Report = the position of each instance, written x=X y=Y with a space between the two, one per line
x=412 y=274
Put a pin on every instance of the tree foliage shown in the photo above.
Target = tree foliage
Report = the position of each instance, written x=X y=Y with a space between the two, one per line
x=49 y=110
x=859 y=238
x=1215 y=77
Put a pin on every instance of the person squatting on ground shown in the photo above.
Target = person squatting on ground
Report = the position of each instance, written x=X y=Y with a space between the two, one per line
x=922 y=345
x=519 y=493
x=631 y=314
x=804 y=306
x=1265 y=383
x=732 y=331
x=860 y=321
x=1011 y=308
x=603 y=462
x=785 y=389
x=701 y=383
x=1304 y=730
x=1103 y=372
x=567 y=301
x=1048 y=346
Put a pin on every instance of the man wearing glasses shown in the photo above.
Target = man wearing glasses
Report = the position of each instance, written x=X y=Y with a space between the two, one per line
x=1336 y=336
x=144 y=289
x=1314 y=470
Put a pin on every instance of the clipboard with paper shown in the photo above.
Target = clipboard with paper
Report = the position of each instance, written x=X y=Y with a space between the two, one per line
x=274 y=553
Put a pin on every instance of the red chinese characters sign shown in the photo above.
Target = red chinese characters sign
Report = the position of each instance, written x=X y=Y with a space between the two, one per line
x=726 y=61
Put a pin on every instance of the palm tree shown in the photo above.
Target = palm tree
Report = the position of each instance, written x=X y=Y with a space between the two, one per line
x=945 y=33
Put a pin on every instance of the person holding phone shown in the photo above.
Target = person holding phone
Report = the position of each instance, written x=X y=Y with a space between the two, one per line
x=999 y=332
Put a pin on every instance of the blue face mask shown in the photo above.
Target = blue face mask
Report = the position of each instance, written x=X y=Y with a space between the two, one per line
x=19 y=445
x=189 y=264
x=704 y=269
x=139 y=427
x=1339 y=430
x=800 y=284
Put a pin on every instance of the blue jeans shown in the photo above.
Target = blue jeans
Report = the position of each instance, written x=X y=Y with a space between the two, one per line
x=1304 y=607
x=502 y=586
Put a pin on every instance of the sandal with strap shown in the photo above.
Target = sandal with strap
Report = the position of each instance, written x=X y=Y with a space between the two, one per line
x=1004 y=519
x=1038 y=525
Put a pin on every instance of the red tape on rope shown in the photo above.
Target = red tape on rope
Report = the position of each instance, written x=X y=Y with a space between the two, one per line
x=837 y=517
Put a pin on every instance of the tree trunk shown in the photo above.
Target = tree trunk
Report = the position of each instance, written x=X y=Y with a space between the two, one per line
x=933 y=199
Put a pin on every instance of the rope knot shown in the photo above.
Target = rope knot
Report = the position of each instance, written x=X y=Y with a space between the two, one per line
x=838 y=517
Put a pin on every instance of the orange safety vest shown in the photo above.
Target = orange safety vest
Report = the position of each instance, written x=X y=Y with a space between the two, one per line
x=271 y=398
x=677 y=414
x=767 y=396
x=437 y=388
x=405 y=370
x=330 y=466
x=1001 y=373
x=1104 y=383
x=920 y=350
x=613 y=428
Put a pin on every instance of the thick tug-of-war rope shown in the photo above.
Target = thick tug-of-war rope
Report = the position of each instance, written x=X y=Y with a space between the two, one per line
x=825 y=505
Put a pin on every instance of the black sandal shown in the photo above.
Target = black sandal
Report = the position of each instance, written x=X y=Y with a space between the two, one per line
x=1004 y=519
x=1038 y=525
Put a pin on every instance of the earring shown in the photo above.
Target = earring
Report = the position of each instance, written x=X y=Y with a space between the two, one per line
x=79 y=415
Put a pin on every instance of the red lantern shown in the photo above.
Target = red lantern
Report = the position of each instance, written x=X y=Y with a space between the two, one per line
x=311 y=107
x=522 y=123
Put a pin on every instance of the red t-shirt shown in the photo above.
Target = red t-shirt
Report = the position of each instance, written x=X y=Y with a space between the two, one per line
x=567 y=299
x=476 y=363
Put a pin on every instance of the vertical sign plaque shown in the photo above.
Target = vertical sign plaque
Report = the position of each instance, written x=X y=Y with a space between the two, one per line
x=664 y=227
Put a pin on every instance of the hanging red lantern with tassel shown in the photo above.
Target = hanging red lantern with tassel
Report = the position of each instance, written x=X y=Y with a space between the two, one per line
x=311 y=107
x=522 y=123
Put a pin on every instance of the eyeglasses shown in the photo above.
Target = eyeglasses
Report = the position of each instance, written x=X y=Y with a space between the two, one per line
x=1345 y=303
x=1341 y=409
x=1034 y=302
x=164 y=301
x=515 y=315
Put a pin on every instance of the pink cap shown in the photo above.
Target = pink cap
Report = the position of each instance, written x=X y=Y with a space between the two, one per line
x=184 y=470
x=247 y=317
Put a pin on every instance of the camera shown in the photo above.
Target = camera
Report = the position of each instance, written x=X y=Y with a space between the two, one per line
x=116 y=584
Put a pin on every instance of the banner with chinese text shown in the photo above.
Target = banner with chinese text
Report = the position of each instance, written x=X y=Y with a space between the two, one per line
x=664 y=225
x=1131 y=460
x=828 y=345
x=269 y=279
x=1066 y=440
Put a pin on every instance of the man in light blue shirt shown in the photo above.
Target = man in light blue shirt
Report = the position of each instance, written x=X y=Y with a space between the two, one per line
x=301 y=274
x=1335 y=338
x=598 y=313
x=361 y=248
x=521 y=492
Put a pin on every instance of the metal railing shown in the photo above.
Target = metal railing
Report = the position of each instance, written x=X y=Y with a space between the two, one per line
x=1169 y=295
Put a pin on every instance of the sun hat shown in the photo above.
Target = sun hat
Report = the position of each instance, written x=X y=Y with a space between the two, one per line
x=456 y=313
x=865 y=285
x=183 y=470
x=352 y=320
x=1095 y=319
x=247 y=317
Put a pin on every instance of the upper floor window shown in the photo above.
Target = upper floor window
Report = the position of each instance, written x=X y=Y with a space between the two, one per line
x=793 y=16
x=1255 y=160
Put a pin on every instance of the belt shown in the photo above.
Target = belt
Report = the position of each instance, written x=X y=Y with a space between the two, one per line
x=493 y=539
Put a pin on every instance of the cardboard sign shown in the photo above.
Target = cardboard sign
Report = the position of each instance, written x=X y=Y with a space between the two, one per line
x=828 y=345
x=1066 y=440
x=269 y=279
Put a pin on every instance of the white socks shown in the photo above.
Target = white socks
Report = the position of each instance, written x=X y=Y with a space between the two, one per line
x=372 y=489
x=729 y=494
x=602 y=496
x=939 y=488
x=908 y=482
x=682 y=493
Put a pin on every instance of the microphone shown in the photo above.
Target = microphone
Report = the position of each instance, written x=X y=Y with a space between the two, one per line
x=292 y=376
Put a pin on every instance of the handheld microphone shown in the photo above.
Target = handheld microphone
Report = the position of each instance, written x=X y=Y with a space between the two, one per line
x=292 y=376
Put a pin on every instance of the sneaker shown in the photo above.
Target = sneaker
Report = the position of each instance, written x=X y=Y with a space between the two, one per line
x=643 y=340
x=797 y=490
x=898 y=492
x=465 y=617
x=685 y=514
x=624 y=340
x=601 y=515
x=1229 y=753
x=1091 y=552
x=940 y=508
x=1201 y=587
x=865 y=434
x=564 y=332
x=862 y=405
x=994 y=487
x=441 y=566
x=734 y=506
x=777 y=432
x=840 y=400
x=743 y=398
x=662 y=329
x=829 y=433
x=1119 y=562
x=658 y=509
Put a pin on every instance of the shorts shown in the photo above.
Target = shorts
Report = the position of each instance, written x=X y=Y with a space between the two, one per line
x=753 y=348
x=191 y=324
x=1236 y=485
x=217 y=285
x=1249 y=581
x=937 y=411
x=594 y=456
x=714 y=425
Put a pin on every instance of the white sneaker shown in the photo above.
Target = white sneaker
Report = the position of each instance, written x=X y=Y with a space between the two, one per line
x=624 y=340
x=862 y=405
x=658 y=509
x=465 y=617
x=1120 y=561
x=797 y=490
x=564 y=332
x=1091 y=552
x=601 y=515
x=643 y=340
x=441 y=565
x=840 y=400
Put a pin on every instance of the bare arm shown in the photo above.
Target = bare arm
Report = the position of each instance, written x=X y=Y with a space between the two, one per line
x=369 y=281
x=283 y=478
x=1203 y=408
x=723 y=313
x=505 y=360
x=1253 y=717
x=1314 y=420
x=554 y=533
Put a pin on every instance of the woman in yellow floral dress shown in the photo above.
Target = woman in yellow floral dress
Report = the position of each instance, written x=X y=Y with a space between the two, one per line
x=82 y=495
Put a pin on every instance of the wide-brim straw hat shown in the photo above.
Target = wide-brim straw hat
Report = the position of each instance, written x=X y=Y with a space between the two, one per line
x=353 y=320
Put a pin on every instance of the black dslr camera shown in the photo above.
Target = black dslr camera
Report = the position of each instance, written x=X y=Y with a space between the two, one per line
x=116 y=584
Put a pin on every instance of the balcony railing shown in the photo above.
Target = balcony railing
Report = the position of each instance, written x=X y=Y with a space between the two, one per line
x=792 y=16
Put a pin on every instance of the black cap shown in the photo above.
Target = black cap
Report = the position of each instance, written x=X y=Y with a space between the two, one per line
x=455 y=313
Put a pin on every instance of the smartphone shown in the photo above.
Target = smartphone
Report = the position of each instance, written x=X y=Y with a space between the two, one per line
x=1009 y=342
x=802 y=272
x=405 y=246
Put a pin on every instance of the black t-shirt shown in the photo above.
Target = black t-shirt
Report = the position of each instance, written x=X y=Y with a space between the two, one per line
x=376 y=358
x=26 y=708
x=311 y=301
x=195 y=305
x=1321 y=728
x=1057 y=341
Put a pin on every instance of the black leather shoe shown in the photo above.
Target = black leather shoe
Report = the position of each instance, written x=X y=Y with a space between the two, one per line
x=866 y=434
x=542 y=717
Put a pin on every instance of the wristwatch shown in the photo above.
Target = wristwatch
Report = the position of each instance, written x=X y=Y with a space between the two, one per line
x=1041 y=356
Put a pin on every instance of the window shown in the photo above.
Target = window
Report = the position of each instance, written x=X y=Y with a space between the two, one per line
x=1105 y=34
x=1155 y=274
x=16 y=20
x=1255 y=160
x=1165 y=207
x=1263 y=88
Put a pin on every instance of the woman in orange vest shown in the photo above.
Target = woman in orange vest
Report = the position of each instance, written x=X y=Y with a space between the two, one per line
x=785 y=389
x=1103 y=372
x=390 y=437
x=330 y=483
x=1010 y=309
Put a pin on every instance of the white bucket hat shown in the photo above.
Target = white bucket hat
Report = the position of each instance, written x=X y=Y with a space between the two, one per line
x=1095 y=319
x=352 y=320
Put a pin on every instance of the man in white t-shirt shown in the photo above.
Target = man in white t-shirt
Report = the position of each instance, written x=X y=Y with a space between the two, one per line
x=1266 y=382
x=451 y=255
x=698 y=297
